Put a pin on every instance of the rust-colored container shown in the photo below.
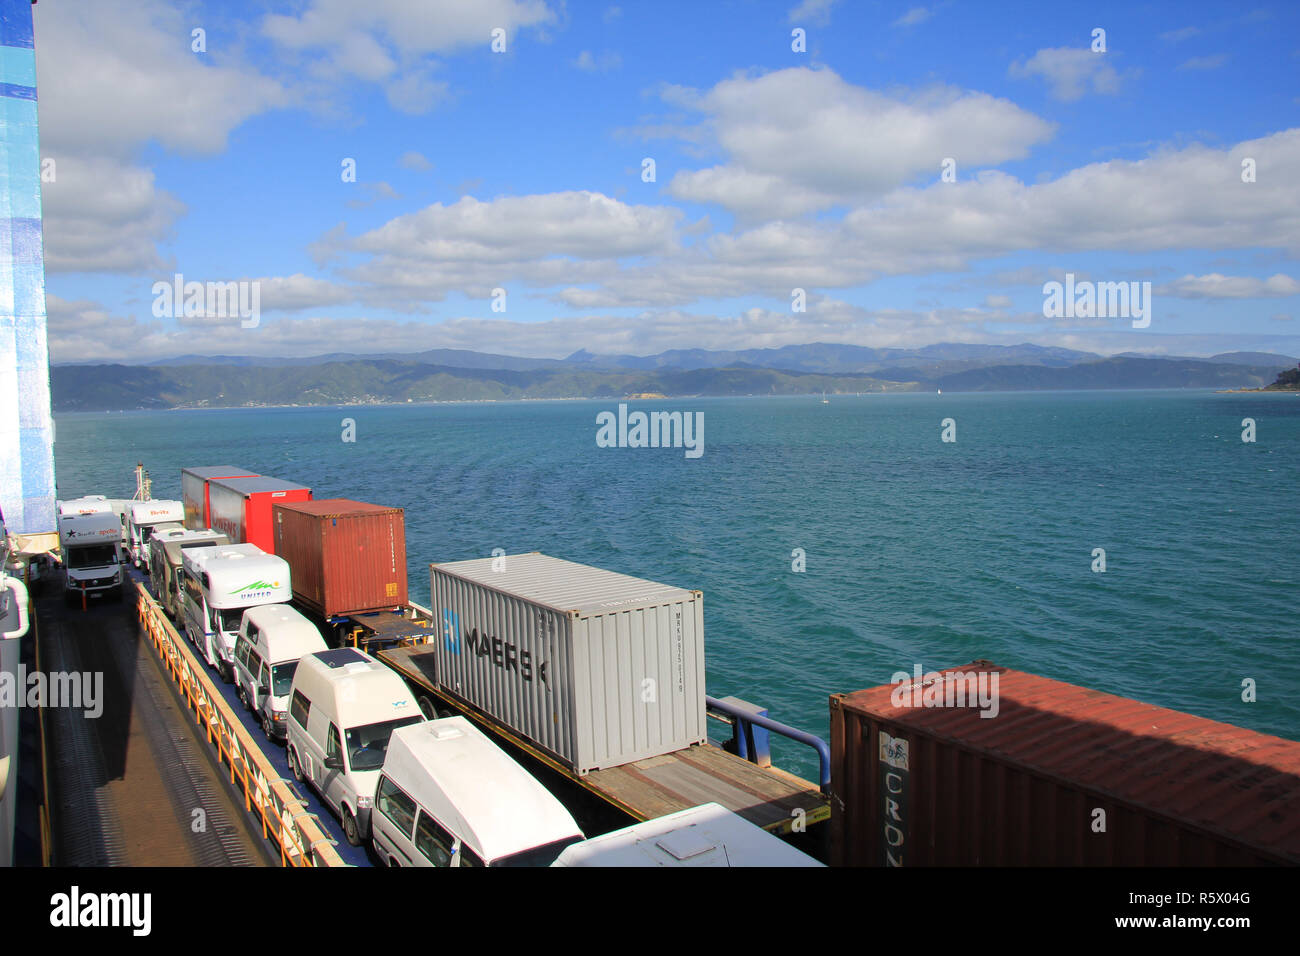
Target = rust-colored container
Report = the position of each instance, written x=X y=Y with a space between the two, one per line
x=346 y=556
x=1060 y=776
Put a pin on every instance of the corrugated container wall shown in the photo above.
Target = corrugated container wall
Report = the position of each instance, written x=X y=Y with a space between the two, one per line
x=597 y=668
x=241 y=507
x=1058 y=776
x=346 y=556
x=194 y=492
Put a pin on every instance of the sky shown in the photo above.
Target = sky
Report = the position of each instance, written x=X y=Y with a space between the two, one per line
x=535 y=177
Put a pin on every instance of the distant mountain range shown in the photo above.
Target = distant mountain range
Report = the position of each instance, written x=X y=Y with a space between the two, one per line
x=461 y=375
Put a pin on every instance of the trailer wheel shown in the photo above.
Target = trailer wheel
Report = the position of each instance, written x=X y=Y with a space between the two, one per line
x=350 y=829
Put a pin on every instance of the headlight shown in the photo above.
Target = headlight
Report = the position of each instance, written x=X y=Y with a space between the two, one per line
x=365 y=803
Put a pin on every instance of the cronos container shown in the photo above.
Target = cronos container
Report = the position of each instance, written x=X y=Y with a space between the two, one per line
x=241 y=507
x=1057 y=775
x=346 y=556
x=194 y=492
x=596 y=668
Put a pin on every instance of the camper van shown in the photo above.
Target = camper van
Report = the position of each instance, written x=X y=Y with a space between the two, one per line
x=219 y=584
x=271 y=641
x=165 y=569
x=707 y=835
x=343 y=707
x=91 y=557
x=449 y=796
x=145 y=517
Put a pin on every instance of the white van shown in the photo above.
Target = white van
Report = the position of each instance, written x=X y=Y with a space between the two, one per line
x=707 y=835
x=220 y=583
x=344 y=706
x=449 y=796
x=165 y=562
x=271 y=640
x=91 y=558
x=143 y=518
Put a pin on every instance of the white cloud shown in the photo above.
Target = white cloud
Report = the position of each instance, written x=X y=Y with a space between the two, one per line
x=1070 y=72
x=1216 y=286
x=800 y=140
x=416 y=162
x=913 y=16
x=105 y=215
x=817 y=12
x=1177 y=36
x=1204 y=62
x=598 y=64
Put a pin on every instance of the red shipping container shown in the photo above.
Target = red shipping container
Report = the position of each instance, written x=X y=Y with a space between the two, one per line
x=241 y=507
x=1059 y=775
x=346 y=557
x=194 y=492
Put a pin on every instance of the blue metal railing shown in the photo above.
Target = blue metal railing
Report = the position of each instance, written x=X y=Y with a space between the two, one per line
x=744 y=718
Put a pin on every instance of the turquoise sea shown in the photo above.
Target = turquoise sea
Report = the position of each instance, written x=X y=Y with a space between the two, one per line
x=917 y=550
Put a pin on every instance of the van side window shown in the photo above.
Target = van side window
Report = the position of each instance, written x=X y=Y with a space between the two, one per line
x=396 y=805
x=433 y=841
x=241 y=651
x=299 y=708
x=334 y=747
x=254 y=662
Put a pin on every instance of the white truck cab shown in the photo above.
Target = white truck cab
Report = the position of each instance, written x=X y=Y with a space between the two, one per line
x=707 y=835
x=272 y=639
x=219 y=584
x=91 y=556
x=449 y=796
x=343 y=708
x=145 y=517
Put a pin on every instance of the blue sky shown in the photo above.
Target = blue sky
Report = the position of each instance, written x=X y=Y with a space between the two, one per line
x=774 y=170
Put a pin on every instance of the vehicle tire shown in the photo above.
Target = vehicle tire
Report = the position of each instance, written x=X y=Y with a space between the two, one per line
x=243 y=698
x=350 y=828
x=266 y=727
x=426 y=707
x=294 y=767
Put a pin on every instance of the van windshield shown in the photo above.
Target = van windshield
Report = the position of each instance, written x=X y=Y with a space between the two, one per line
x=92 y=556
x=367 y=745
x=539 y=855
x=282 y=678
x=231 y=618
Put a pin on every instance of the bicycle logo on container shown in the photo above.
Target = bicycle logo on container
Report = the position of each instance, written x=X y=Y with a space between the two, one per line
x=894 y=795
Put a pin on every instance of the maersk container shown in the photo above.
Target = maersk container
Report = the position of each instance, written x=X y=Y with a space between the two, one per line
x=241 y=507
x=598 y=669
x=1058 y=776
x=194 y=492
x=347 y=556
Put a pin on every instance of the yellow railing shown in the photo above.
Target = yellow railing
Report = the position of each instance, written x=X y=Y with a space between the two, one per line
x=296 y=833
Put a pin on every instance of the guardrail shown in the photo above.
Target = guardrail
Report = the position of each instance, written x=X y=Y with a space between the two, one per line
x=285 y=824
x=744 y=719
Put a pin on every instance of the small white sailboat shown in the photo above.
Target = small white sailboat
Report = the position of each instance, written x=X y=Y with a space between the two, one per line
x=825 y=400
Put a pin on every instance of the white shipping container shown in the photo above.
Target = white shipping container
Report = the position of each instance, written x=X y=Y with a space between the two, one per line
x=598 y=669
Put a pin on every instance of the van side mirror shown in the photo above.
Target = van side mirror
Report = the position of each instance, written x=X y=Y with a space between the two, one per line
x=263 y=690
x=333 y=762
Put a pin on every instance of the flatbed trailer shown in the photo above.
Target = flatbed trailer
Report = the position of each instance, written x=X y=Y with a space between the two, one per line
x=771 y=798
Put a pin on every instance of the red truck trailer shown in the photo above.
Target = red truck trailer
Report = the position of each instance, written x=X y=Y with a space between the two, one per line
x=241 y=507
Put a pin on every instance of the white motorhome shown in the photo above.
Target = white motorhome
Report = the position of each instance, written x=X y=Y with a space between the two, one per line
x=219 y=584
x=343 y=708
x=143 y=518
x=272 y=639
x=707 y=835
x=449 y=796
x=91 y=556
x=85 y=505
x=165 y=568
